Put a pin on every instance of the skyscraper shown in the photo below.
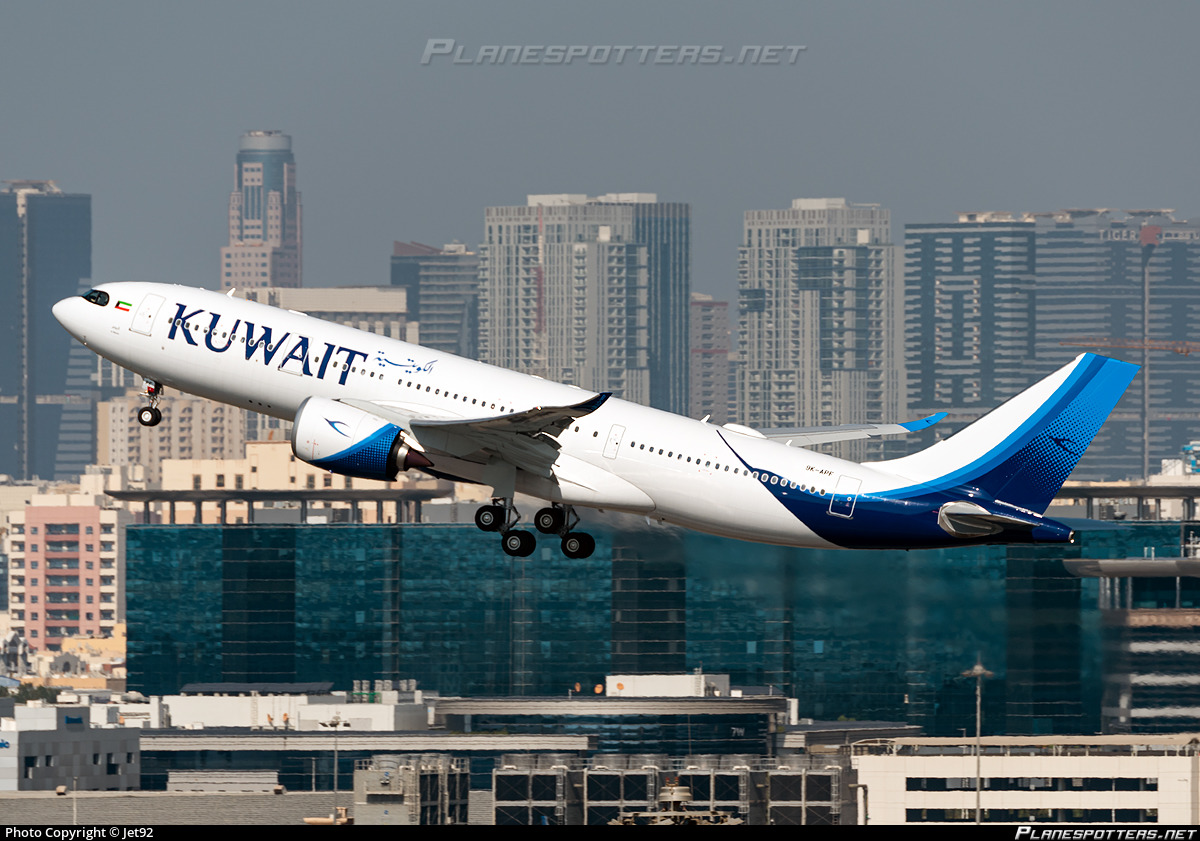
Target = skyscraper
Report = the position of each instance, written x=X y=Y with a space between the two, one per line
x=709 y=370
x=993 y=297
x=590 y=291
x=442 y=285
x=264 y=215
x=665 y=229
x=819 y=319
x=45 y=255
x=969 y=313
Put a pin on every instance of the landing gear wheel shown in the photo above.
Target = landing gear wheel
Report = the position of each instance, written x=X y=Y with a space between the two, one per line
x=489 y=518
x=519 y=544
x=578 y=545
x=149 y=416
x=549 y=520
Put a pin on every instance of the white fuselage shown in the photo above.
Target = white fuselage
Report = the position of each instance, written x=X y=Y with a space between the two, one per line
x=477 y=423
x=623 y=456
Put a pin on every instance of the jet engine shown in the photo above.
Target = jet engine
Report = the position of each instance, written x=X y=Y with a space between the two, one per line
x=352 y=442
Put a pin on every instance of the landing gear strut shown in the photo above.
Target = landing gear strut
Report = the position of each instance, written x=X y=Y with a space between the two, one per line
x=150 y=415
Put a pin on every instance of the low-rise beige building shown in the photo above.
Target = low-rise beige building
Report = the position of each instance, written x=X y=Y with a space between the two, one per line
x=271 y=465
x=1024 y=779
x=191 y=428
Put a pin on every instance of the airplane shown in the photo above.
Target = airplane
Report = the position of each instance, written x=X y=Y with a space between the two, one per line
x=368 y=406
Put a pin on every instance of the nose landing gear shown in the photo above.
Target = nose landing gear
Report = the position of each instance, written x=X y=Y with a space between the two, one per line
x=150 y=415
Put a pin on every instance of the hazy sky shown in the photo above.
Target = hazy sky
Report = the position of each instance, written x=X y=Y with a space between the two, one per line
x=927 y=108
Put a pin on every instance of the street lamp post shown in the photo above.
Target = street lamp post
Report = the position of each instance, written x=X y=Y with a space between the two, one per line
x=336 y=723
x=979 y=673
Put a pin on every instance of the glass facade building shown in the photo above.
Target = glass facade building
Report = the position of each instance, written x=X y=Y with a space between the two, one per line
x=864 y=635
x=339 y=603
x=45 y=255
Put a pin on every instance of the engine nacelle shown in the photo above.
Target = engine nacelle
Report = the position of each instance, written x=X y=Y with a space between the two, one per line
x=352 y=442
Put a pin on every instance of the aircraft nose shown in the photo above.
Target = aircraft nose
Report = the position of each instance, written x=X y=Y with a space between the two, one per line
x=60 y=311
x=66 y=313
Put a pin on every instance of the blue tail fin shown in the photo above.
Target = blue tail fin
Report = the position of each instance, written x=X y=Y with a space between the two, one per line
x=1023 y=451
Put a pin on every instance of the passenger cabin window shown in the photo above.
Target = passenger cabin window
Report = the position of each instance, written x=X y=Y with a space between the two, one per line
x=97 y=297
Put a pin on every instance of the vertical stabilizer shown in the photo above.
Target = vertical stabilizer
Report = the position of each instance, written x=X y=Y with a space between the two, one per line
x=1022 y=452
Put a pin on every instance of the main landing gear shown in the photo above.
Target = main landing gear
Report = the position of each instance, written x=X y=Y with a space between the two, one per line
x=150 y=415
x=560 y=520
x=502 y=516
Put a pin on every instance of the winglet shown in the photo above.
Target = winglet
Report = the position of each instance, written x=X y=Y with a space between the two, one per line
x=924 y=423
x=593 y=403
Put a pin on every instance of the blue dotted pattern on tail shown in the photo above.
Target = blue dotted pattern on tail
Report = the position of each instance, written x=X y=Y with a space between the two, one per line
x=1045 y=454
x=367 y=459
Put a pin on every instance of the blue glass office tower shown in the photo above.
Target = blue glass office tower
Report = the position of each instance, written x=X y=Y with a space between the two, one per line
x=45 y=255
x=868 y=635
x=342 y=603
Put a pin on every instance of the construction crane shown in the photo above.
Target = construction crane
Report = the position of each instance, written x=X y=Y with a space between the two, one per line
x=1180 y=347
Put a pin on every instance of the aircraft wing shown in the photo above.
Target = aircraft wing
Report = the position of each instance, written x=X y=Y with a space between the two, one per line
x=806 y=436
x=525 y=439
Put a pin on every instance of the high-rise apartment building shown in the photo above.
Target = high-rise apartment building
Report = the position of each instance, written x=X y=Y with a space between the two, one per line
x=589 y=291
x=665 y=229
x=819 y=319
x=264 y=215
x=969 y=314
x=442 y=285
x=997 y=300
x=45 y=255
x=710 y=372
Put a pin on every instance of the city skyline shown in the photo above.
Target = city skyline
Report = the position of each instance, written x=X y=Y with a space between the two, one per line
x=941 y=109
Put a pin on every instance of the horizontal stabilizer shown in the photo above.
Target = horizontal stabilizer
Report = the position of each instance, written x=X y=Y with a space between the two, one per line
x=810 y=435
x=971 y=520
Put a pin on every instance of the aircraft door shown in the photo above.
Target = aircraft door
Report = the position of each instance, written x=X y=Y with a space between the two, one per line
x=143 y=319
x=614 y=441
x=845 y=494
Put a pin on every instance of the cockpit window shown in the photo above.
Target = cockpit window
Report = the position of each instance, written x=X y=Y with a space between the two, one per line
x=97 y=297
